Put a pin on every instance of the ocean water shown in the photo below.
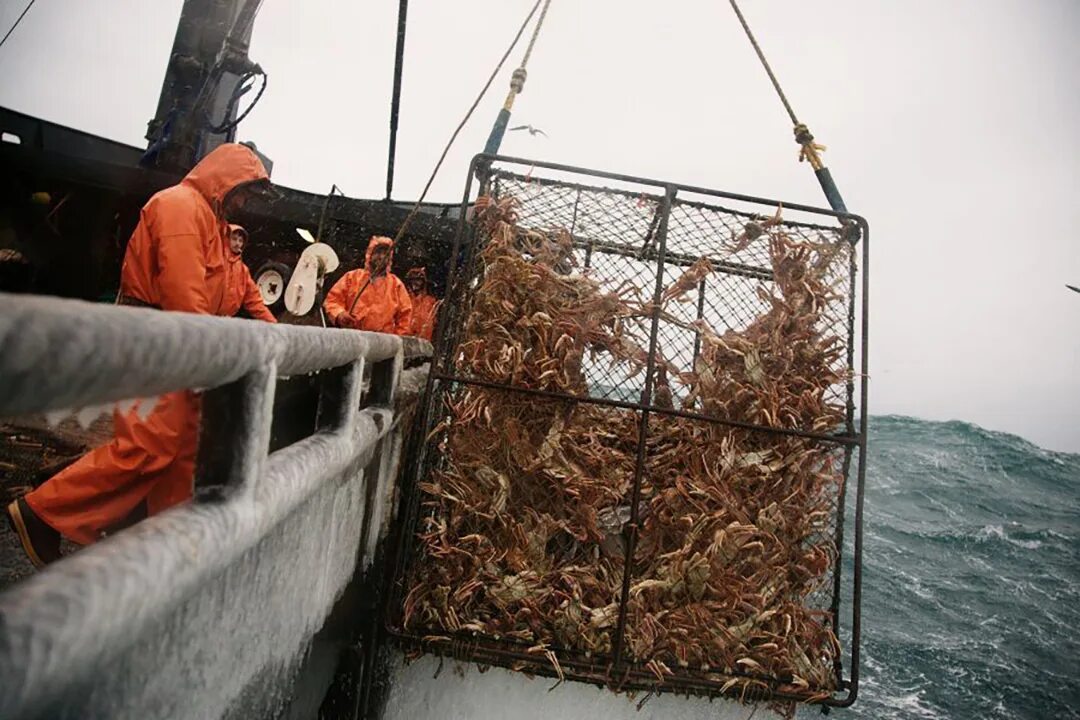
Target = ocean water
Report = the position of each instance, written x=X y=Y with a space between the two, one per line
x=971 y=585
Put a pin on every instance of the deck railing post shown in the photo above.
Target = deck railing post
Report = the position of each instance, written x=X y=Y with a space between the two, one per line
x=234 y=434
x=340 y=391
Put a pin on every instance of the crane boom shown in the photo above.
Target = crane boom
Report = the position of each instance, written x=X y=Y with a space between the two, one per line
x=207 y=67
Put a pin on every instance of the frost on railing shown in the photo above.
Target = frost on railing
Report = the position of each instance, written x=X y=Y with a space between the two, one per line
x=207 y=609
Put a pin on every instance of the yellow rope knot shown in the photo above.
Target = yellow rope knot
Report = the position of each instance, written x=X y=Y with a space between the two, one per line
x=810 y=150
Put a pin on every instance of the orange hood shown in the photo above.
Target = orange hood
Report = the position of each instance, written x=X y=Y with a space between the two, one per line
x=379 y=241
x=226 y=168
x=417 y=273
x=233 y=227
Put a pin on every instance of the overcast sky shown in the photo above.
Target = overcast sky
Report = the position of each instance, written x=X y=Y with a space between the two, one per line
x=952 y=125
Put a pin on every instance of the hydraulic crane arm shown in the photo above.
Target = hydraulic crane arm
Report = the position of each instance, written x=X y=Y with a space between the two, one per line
x=208 y=71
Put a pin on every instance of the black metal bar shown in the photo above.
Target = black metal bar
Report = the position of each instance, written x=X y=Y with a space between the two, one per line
x=573 y=218
x=395 y=101
x=850 y=421
x=860 y=488
x=838 y=541
x=456 y=284
x=559 y=167
x=680 y=259
x=650 y=234
x=625 y=405
x=573 y=229
x=452 y=290
x=852 y=684
x=630 y=530
x=542 y=181
x=452 y=280
x=322 y=215
x=852 y=274
x=410 y=505
x=700 y=316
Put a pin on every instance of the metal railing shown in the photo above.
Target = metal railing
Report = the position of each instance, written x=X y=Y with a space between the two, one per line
x=206 y=610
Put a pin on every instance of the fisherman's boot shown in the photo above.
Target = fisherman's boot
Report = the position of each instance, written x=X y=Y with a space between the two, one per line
x=40 y=542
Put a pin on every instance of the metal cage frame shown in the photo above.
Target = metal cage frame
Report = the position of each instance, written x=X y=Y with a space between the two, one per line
x=619 y=671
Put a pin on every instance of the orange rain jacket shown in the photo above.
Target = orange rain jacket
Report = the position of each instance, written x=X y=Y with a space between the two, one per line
x=424 y=308
x=177 y=259
x=379 y=304
x=240 y=289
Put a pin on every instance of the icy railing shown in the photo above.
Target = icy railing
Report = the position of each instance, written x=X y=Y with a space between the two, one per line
x=206 y=610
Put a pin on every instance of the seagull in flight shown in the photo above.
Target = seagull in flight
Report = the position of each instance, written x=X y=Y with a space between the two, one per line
x=532 y=130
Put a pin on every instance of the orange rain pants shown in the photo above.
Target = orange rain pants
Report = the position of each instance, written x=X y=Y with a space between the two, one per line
x=151 y=460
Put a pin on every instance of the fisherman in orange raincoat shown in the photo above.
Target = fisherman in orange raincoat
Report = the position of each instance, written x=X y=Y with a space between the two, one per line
x=242 y=292
x=371 y=298
x=177 y=259
x=424 y=305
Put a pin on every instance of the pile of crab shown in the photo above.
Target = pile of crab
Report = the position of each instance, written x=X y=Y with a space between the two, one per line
x=523 y=532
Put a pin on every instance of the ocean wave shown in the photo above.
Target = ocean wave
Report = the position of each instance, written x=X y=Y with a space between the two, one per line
x=972 y=575
x=997 y=532
x=959 y=436
x=912 y=705
x=1015 y=535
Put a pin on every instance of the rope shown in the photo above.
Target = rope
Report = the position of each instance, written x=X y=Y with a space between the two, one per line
x=809 y=151
x=536 y=34
x=17 y=21
x=494 y=73
x=765 y=64
x=517 y=80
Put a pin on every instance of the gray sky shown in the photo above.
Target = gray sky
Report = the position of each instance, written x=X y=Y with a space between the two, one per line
x=951 y=125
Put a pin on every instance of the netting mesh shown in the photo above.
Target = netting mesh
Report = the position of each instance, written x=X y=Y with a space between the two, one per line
x=626 y=373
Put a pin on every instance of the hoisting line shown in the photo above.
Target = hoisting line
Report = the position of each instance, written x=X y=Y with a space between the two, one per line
x=464 y=120
x=810 y=151
x=517 y=84
x=17 y=21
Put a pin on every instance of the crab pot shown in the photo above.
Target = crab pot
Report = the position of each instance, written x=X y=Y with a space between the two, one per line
x=645 y=408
